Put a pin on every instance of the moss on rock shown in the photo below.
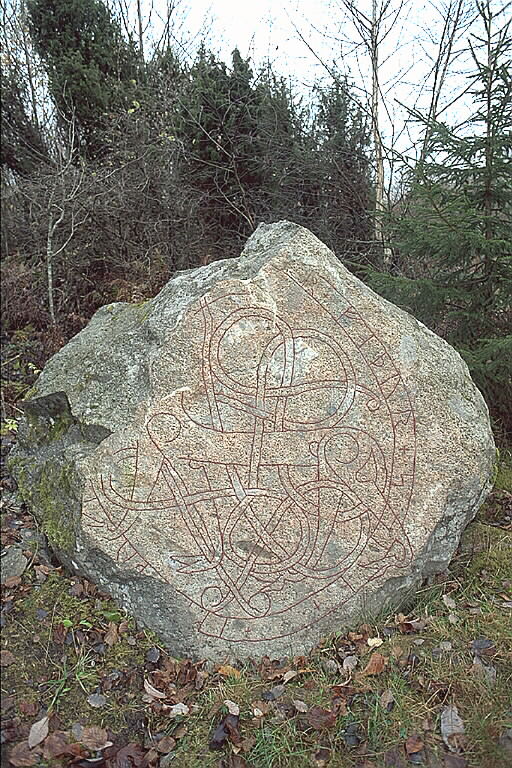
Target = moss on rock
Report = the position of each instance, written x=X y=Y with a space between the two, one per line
x=48 y=430
x=55 y=486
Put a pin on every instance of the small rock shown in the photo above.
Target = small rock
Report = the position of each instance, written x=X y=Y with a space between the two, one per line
x=350 y=663
x=505 y=740
x=13 y=563
x=330 y=667
x=36 y=543
x=482 y=645
x=153 y=655
x=96 y=700
x=350 y=735
x=166 y=760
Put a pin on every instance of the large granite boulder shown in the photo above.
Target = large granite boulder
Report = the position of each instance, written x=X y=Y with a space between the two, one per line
x=257 y=456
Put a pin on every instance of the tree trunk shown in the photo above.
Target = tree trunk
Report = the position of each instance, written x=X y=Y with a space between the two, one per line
x=377 y=139
x=49 y=268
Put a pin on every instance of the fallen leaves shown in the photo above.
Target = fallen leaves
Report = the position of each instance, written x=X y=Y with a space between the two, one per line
x=6 y=658
x=452 y=729
x=226 y=730
x=153 y=692
x=413 y=744
x=321 y=757
x=387 y=700
x=320 y=718
x=375 y=665
x=290 y=675
x=95 y=738
x=260 y=708
x=449 y=602
x=130 y=756
x=226 y=670
x=166 y=744
x=57 y=745
x=483 y=646
x=38 y=732
x=112 y=634
x=22 y=755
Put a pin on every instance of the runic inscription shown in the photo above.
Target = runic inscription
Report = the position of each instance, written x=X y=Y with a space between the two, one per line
x=276 y=485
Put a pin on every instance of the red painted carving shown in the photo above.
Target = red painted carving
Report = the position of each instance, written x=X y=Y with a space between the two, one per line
x=280 y=488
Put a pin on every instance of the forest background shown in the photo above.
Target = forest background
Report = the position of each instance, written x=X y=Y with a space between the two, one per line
x=131 y=151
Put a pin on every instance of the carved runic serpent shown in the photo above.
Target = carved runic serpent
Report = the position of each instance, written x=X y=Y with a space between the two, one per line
x=272 y=480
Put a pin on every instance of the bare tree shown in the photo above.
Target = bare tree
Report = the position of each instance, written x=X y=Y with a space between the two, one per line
x=52 y=197
x=457 y=16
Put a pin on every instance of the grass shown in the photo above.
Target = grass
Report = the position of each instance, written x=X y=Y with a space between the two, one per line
x=57 y=639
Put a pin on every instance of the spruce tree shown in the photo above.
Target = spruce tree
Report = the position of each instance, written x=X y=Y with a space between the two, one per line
x=342 y=140
x=91 y=68
x=456 y=233
x=22 y=147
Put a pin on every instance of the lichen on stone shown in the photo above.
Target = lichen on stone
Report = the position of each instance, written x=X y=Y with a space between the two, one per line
x=55 y=486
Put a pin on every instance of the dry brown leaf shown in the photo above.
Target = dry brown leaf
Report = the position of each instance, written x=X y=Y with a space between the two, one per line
x=166 y=744
x=112 y=634
x=152 y=691
x=38 y=732
x=396 y=651
x=396 y=757
x=57 y=745
x=180 y=731
x=232 y=706
x=30 y=708
x=150 y=757
x=452 y=760
x=376 y=664
x=339 y=705
x=452 y=729
x=387 y=700
x=6 y=658
x=200 y=680
x=247 y=744
x=320 y=718
x=227 y=729
x=94 y=737
x=321 y=757
x=413 y=744
x=14 y=581
x=226 y=670
x=21 y=755
x=289 y=675
x=299 y=705
x=130 y=754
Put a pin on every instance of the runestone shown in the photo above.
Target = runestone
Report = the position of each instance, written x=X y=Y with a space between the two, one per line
x=282 y=473
x=278 y=475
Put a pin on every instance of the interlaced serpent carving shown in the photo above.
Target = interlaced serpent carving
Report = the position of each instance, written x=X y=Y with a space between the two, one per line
x=280 y=479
